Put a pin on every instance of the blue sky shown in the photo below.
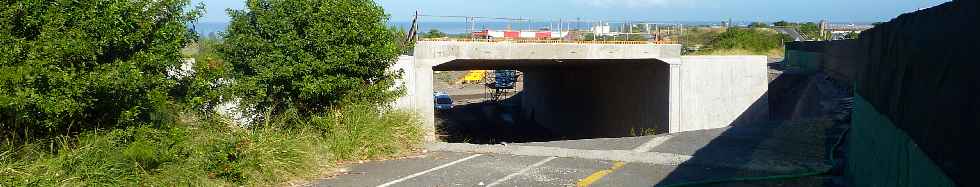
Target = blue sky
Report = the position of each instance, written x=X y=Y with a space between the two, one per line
x=647 y=10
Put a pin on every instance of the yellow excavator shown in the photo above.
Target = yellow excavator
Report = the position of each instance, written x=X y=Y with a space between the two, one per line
x=474 y=76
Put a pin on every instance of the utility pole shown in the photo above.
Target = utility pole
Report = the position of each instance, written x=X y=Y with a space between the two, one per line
x=472 y=29
x=595 y=30
x=529 y=24
x=561 y=24
x=629 y=29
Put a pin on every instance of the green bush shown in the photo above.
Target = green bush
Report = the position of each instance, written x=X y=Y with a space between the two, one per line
x=754 y=40
x=74 y=65
x=434 y=33
x=310 y=55
x=210 y=84
x=86 y=99
x=811 y=31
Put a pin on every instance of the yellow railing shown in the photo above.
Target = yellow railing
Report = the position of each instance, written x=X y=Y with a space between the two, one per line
x=541 y=41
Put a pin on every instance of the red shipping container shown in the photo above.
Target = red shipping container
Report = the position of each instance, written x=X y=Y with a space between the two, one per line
x=542 y=35
x=512 y=34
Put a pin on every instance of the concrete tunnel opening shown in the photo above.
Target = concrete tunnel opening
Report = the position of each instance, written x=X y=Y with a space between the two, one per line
x=555 y=99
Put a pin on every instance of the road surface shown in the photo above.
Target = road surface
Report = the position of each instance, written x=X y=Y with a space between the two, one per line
x=743 y=151
x=791 y=32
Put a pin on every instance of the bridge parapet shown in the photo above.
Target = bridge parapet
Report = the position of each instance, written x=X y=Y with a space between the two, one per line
x=514 y=50
x=543 y=41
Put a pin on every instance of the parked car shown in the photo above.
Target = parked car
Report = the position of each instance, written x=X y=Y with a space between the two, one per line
x=443 y=101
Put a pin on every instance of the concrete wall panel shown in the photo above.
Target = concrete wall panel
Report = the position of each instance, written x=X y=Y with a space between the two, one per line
x=718 y=91
x=658 y=89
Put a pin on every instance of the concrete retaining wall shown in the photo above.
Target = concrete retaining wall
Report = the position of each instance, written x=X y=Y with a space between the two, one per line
x=404 y=65
x=841 y=59
x=718 y=91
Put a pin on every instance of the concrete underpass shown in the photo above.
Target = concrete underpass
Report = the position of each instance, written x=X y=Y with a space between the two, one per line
x=581 y=91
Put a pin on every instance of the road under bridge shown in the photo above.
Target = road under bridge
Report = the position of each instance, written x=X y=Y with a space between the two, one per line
x=591 y=90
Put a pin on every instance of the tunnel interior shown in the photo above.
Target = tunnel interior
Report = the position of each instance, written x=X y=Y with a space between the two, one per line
x=555 y=100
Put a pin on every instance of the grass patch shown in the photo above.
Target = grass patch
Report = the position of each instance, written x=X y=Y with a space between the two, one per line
x=210 y=153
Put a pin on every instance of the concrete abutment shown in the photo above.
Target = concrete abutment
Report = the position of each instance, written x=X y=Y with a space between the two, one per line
x=603 y=90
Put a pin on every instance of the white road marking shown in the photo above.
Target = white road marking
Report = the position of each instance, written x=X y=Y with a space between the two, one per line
x=656 y=141
x=522 y=171
x=620 y=155
x=429 y=170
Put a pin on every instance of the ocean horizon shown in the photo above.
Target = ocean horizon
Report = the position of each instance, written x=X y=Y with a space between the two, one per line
x=457 y=27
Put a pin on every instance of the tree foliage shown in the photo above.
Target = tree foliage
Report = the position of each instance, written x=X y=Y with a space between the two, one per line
x=74 y=65
x=434 y=33
x=310 y=55
x=852 y=35
x=758 y=25
x=782 y=23
x=811 y=30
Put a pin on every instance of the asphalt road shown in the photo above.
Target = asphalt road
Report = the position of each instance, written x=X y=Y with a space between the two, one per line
x=743 y=151
x=792 y=33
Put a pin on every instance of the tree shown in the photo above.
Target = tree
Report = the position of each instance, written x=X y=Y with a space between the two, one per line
x=852 y=35
x=434 y=33
x=783 y=24
x=758 y=25
x=75 y=65
x=310 y=55
x=811 y=30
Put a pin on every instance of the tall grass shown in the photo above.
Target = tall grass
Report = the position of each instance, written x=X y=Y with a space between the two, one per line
x=207 y=153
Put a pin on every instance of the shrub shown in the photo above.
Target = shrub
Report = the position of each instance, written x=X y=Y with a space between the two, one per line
x=310 y=54
x=208 y=87
x=66 y=68
x=211 y=154
x=754 y=40
x=434 y=33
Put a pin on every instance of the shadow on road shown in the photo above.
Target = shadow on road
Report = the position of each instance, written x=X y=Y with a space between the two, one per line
x=490 y=123
x=803 y=128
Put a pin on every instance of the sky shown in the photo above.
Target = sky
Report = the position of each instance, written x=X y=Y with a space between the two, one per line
x=636 y=10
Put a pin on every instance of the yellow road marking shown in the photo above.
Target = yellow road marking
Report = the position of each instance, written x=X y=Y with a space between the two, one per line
x=599 y=174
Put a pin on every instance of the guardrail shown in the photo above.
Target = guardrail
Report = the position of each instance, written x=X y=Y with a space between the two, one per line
x=541 y=41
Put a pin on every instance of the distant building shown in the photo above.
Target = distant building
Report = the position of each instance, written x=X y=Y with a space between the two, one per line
x=603 y=30
x=510 y=34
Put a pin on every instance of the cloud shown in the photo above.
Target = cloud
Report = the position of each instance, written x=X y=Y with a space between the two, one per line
x=624 y=3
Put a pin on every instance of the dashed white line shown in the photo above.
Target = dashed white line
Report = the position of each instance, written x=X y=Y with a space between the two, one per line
x=656 y=141
x=522 y=171
x=429 y=170
x=620 y=155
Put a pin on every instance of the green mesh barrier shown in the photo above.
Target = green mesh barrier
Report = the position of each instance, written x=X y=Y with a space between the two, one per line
x=879 y=154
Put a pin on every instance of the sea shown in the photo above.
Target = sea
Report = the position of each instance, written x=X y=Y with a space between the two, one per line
x=216 y=28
